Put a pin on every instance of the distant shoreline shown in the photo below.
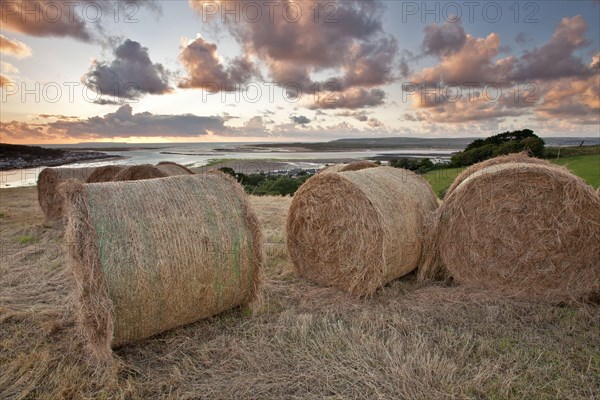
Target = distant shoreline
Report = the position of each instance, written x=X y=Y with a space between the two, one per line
x=17 y=157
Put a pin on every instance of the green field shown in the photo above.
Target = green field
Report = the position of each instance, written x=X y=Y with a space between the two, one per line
x=587 y=167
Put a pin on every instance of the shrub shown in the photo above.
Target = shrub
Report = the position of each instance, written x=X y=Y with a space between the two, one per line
x=497 y=145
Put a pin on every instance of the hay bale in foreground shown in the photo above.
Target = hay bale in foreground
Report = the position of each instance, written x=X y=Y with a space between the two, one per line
x=104 y=174
x=358 y=165
x=154 y=254
x=173 y=169
x=50 y=198
x=358 y=230
x=525 y=229
x=139 y=172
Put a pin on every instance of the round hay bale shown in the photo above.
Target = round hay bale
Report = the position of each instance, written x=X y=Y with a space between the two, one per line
x=358 y=165
x=49 y=196
x=358 y=230
x=509 y=158
x=173 y=169
x=334 y=168
x=154 y=254
x=104 y=174
x=527 y=229
x=139 y=172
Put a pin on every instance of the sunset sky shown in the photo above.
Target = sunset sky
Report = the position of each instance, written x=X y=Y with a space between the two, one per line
x=143 y=71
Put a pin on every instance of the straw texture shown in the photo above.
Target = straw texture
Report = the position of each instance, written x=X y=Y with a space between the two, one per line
x=509 y=158
x=151 y=255
x=358 y=230
x=139 y=172
x=173 y=169
x=50 y=199
x=104 y=174
x=528 y=229
x=358 y=165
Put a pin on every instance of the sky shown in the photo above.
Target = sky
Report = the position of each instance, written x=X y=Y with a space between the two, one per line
x=213 y=71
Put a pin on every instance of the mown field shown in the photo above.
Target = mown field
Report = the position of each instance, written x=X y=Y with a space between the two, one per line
x=410 y=340
x=585 y=166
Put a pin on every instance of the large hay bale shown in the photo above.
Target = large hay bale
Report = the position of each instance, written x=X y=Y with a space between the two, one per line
x=173 y=169
x=525 y=229
x=104 y=174
x=139 y=172
x=154 y=254
x=334 y=168
x=358 y=230
x=358 y=165
x=50 y=198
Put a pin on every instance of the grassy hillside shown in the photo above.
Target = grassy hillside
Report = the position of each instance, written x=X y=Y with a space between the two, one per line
x=585 y=166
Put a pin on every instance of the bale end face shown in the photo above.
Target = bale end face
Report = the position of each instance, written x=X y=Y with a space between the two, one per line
x=143 y=268
x=358 y=230
x=50 y=198
x=525 y=229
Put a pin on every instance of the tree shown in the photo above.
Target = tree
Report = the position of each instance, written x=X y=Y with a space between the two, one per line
x=418 y=165
x=500 y=144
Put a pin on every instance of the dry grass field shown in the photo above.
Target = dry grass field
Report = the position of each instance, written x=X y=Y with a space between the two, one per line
x=409 y=340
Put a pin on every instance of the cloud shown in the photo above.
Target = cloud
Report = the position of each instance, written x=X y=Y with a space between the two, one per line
x=80 y=20
x=467 y=111
x=358 y=115
x=123 y=123
x=351 y=99
x=370 y=64
x=300 y=120
x=564 y=86
x=522 y=38
x=350 y=46
x=473 y=62
x=5 y=81
x=256 y=122
x=409 y=117
x=443 y=40
x=130 y=75
x=555 y=59
x=8 y=68
x=375 y=123
x=22 y=131
x=57 y=116
x=14 y=47
x=205 y=69
x=573 y=99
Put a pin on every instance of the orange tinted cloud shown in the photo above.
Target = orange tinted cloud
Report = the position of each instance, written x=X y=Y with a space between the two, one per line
x=14 y=47
x=205 y=69
x=295 y=43
x=473 y=62
x=548 y=82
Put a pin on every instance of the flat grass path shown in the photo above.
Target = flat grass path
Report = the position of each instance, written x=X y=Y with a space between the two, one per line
x=587 y=167
x=410 y=340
